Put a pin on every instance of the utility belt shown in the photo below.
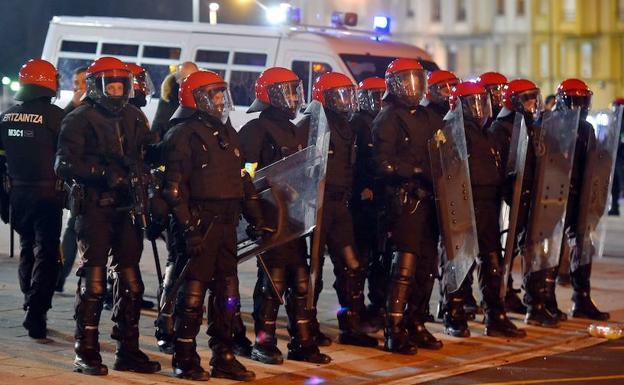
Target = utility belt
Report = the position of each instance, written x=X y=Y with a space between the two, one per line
x=8 y=183
x=79 y=195
x=222 y=211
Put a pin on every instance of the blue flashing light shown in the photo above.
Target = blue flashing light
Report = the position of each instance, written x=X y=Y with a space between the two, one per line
x=381 y=24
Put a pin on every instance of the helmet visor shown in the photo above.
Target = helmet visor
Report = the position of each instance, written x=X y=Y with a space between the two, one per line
x=477 y=107
x=215 y=100
x=287 y=96
x=440 y=92
x=143 y=82
x=529 y=102
x=111 y=89
x=341 y=99
x=578 y=102
x=410 y=85
x=496 y=94
x=370 y=100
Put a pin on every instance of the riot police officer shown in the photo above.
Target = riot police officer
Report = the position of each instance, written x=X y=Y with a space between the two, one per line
x=204 y=186
x=574 y=94
x=265 y=140
x=101 y=142
x=486 y=178
x=28 y=139
x=142 y=84
x=366 y=207
x=336 y=93
x=400 y=134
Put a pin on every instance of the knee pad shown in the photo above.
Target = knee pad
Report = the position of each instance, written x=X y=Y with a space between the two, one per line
x=130 y=282
x=93 y=282
x=278 y=276
x=191 y=298
x=403 y=266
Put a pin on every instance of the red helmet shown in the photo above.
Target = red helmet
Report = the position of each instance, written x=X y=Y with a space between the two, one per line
x=335 y=91
x=440 y=83
x=406 y=79
x=522 y=95
x=369 y=94
x=278 y=87
x=474 y=99
x=142 y=80
x=38 y=78
x=619 y=101
x=206 y=91
x=109 y=83
x=574 y=94
x=494 y=82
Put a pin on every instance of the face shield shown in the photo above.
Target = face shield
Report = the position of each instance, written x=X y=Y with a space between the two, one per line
x=215 y=100
x=287 y=96
x=439 y=93
x=341 y=99
x=143 y=83
x=370 y=100
x=409 y=86
x=577 y=102
x=529 y=103
x=496 y=95
x=477 y=108
x=111 y=89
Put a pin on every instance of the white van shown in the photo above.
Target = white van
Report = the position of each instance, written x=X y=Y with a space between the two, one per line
x=238 y=52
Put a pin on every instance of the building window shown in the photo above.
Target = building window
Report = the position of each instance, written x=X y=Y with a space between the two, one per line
x=544 y=60
x=451 y=58
x=520 y=7
x=544 y=8
x=500 y=7
x=78 y=46
x=497 y=55
x=476 y=58
x=522 y=60
x=250 y=58
x=409 y=10
x=116 y=49
x=586 y=59
x=212 y=56
x=563 y=60
x=242 y=87
x=461 y=10
x=569 y=10
x=158 y=52
x=436 y=10
x=621 y=9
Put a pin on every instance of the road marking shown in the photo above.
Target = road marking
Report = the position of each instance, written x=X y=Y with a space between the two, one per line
x=556 y=380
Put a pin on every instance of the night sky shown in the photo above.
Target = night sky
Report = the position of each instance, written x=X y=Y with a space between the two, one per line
x=24 y=23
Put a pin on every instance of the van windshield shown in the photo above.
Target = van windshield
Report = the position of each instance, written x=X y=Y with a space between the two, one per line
x=365 y=66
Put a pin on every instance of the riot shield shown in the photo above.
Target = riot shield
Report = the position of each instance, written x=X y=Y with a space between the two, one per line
x=514 y=168
x=289 y=192
x=555 y=141
x=453 y=195
x=597 y=179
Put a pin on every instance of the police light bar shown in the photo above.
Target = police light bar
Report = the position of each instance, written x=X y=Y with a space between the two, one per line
x=381 y=24
x=341 y=19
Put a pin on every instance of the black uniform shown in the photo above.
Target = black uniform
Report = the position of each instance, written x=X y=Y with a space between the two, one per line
x=28 y=140
x=204 y=186
x=401 y=156
x=96 y=149
x=167 y=105
x=337 y=230
x=265 y=140
x=368 y=216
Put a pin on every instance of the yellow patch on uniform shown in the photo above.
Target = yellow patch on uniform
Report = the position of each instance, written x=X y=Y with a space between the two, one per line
x=439 y=138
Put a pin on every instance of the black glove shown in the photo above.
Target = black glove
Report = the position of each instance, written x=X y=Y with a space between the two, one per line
x=255 y=232
x=194 y=243
x=154 y=230
x=116 y=177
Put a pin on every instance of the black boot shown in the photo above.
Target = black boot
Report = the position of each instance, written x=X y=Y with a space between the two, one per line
x=35 y=323
x=225 y=365
x=320 y=338
x=418 y=307
x=537 y=314
x=89 y=301
x=490 y=280
x=186 y=362
x=513 y=303
x=378 y=270
x=471 y=308
x=551 y=297
x=108 y=298
x=401 y=282
x=582 y=304
x=455 y=322
x=266 y=307
x=421 y=337
x=128 y=294
x=163 y=325
x=164 y=332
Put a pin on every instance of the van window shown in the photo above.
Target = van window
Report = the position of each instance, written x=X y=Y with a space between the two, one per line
x=365 y=66
x=66 y=67
x=250 y=58
x=120 y=49
x=308 y=72
x=157 y=72
x=78 y=46
x=206 y=56
x=242 y=87
x=161 y=52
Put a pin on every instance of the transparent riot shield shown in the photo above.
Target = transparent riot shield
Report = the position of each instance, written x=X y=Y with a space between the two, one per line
x=453 y=194
x=515 y=169
x=555 y=143
x=290 y=191
x=599 y=165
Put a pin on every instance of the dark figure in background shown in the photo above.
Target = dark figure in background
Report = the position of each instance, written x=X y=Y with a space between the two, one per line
x=99 y=142
x=336 y=93
x=205 y=187
x=400 y=134
x=28 y=139
x=265 y=140
x=366 y=204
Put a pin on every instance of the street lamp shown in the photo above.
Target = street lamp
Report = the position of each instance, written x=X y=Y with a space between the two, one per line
x=15 y=86
x=277 y=15
x=6 y=80
x=213 y=7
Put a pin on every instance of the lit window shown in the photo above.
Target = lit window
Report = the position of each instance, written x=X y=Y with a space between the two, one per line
x=586 y=59
x=520 y=7
x=436 y=10
x=569 y=10
x=544 y=60
x=500 y=7
x=461 y=10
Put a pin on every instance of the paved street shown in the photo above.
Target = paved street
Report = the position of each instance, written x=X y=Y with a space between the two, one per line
x=24 y=361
